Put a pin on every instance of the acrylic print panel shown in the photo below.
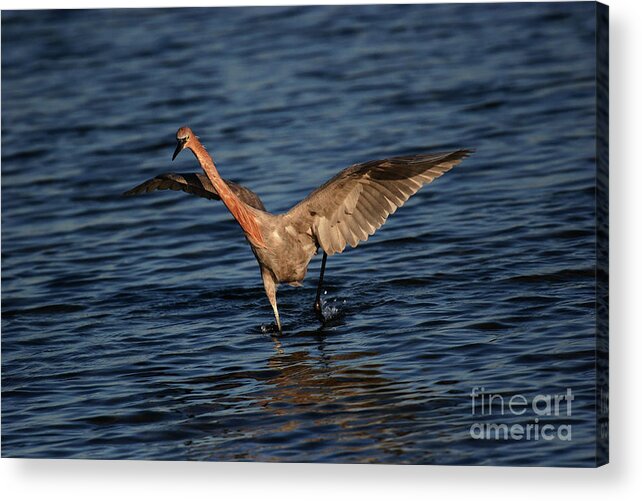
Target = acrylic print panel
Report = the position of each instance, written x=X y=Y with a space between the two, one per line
x=470 y=329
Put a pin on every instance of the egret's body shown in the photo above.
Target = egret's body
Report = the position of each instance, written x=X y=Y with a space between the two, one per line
x=344 y=211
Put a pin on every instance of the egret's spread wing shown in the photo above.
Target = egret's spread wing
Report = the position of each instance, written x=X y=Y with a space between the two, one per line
x=356 y=202
x=197 y=184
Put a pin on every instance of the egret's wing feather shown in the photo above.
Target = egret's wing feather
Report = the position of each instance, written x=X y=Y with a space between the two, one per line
x=356 y=202
x=197 y=184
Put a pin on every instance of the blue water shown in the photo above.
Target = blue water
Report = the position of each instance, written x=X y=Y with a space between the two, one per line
x=139 y=328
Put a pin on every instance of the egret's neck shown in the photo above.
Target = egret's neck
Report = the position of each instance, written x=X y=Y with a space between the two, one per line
x=239 y=209
x=205 y=159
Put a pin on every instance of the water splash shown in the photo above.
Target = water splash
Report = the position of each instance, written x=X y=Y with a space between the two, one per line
x=331 y=309
x=269 y=328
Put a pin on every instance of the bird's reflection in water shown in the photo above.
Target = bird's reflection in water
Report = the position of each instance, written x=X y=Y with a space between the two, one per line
x=315 y=405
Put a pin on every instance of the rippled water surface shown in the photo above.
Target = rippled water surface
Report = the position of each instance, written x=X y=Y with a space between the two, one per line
x=138 y=327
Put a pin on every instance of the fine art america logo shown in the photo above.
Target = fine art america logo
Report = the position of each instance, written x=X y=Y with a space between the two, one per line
x=500 y=413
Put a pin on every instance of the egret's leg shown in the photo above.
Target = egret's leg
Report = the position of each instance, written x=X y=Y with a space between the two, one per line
x=270 y=289
x=317 y=302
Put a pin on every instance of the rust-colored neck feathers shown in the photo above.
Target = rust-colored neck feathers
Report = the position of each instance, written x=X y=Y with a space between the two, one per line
x=236 y=206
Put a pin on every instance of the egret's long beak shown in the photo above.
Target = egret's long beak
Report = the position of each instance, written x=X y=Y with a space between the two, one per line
x=179 y=147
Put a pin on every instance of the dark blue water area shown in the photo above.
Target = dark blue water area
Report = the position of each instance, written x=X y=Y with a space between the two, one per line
x=138 y=328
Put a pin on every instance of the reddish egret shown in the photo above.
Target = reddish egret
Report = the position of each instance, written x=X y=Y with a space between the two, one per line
x=344 y=211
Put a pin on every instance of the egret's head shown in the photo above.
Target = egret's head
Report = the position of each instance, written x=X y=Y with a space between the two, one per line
x=183 y=137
